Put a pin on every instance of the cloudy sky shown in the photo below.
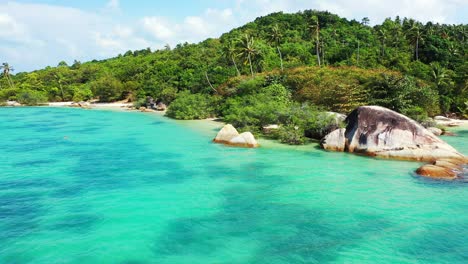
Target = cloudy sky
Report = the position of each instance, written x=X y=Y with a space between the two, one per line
x=38 y=33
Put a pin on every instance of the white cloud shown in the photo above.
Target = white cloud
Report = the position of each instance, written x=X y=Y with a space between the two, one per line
x=11 y=30
x=36 y=35
x=160 y=28
x=113 y=4
x=443 y=11
x=212 y=23
x=31 y=38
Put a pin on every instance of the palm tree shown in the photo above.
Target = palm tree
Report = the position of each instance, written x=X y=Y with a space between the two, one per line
x=439 y=75
x=248 y=51
x=230 y=51
x=275 y=37
x=416 y=36
x=314 y=28
x=382 y=35
x=59 y=78
x=6 y=73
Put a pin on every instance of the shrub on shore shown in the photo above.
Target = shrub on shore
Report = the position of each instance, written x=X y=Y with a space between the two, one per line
x=31 y=97
x=191 y=106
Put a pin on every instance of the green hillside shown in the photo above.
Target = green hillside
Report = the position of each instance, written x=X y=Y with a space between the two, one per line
x=311 y=57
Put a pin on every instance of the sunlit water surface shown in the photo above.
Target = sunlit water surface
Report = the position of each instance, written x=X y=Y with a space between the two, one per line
x=80 y=186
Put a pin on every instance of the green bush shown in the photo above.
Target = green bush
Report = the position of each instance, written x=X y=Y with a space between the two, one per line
x=402 y=93
x=291 y=134
x=258 y=109
x=253 y=110
x=310 y=119
x=82 y=93
x=31 y=97
x=139 y=103
x=8 y=93
x=168 y=94
x=191 y=106
x=107 y=88
x=250 y=86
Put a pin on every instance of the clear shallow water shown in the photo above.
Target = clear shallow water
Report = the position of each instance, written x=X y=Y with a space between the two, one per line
x=81 y=186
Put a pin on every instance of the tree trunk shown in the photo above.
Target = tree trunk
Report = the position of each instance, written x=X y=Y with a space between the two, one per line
x=417 y=47
x=61 y=90
x=208 y=79
x=10 y=82
x=250 y=63
x=317 y=51
x=281 y=57
x=358 y=53
x=323 y=55
x=383 y=49
x=235 y=65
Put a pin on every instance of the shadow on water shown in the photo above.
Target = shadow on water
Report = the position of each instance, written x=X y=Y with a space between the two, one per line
x=19 y=214
x=285 y=233
x=76 y=222
x=34 y=163
x=438 y=244
x=25 y=184
x=110 y=166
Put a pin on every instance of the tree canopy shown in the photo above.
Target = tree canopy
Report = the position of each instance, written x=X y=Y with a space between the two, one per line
x=330 y=61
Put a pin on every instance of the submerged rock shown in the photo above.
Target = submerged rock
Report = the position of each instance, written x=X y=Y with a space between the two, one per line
x=444 y=169
x=437 y=172
x=228 y=135
x=381 y=132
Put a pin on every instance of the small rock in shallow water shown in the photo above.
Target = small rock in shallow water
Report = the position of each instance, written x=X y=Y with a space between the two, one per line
x=245 y=139
x=227 y=133
x=436 y=131
x=437 y=172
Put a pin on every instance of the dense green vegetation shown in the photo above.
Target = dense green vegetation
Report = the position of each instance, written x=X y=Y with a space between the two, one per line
x=281 y=68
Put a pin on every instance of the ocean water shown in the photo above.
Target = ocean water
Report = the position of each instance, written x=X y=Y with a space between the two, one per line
x=87 y=186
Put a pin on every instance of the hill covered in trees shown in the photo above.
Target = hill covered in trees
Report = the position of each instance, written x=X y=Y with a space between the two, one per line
x=273 y=66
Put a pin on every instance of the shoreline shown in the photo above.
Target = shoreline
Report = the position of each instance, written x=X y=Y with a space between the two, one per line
x=210 y=126
x=90 y=105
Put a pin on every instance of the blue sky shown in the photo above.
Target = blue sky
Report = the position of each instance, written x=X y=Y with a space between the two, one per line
x=35 y=34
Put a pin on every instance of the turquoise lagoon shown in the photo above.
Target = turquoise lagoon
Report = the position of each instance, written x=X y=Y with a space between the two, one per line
x=80 y=186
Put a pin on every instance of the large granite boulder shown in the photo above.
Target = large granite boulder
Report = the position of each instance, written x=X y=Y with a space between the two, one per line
x=228 y=135
x=381 y=132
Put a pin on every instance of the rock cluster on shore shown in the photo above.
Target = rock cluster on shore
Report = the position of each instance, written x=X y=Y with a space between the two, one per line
x=228 y=135
x=381 y=132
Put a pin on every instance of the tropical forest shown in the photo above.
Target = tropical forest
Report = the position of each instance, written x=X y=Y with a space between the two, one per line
x=288 y=69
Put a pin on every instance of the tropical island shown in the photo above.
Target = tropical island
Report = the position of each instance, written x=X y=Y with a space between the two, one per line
x=295 y=72
x=82 y=186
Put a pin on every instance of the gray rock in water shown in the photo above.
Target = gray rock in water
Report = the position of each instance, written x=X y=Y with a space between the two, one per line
x=227 y=133
x=245 y=139
x=335 y=140
x=381 y=132
x=442 y=118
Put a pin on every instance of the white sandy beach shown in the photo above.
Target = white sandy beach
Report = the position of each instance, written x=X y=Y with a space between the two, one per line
x=93 y=105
